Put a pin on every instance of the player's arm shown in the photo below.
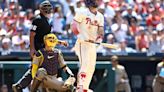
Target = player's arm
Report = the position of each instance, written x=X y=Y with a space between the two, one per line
x=32 y=35
x=64 y=66
x=32 y=47
x=75 y=25
x=100 y=34
x=100 y=31
x=37 y=60
x=64 y=43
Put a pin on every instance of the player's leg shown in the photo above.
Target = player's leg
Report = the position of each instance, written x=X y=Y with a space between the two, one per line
x=40 y=76
x=85 y=72
x=23 y=82
x=51 y=82
x=81 y=77
x=92 y=63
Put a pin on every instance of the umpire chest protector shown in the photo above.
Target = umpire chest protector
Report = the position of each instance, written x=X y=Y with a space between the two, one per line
x=50 y=61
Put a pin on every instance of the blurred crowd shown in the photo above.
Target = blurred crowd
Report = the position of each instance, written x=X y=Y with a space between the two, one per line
x=134 y=25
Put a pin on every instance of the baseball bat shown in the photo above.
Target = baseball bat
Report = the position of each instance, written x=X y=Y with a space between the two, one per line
x=110 y=46
x=107 y=45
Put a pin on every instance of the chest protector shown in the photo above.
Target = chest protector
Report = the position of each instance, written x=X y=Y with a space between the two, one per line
x=50 y=61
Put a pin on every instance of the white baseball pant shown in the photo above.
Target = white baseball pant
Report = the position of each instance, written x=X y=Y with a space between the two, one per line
x=86 y=53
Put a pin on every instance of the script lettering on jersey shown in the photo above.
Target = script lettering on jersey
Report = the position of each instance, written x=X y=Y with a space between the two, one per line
x=89 y=21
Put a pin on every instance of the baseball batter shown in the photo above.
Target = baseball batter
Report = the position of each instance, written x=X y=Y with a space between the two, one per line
x=88 y=26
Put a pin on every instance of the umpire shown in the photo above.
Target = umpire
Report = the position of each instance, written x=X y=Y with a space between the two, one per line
x=40 y=28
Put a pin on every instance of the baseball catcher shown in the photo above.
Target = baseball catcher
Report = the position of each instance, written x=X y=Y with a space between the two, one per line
x=45 y=65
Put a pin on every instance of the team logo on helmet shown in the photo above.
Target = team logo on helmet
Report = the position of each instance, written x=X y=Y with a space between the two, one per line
x=91 y=3
x=50 y=40
x=46 y=7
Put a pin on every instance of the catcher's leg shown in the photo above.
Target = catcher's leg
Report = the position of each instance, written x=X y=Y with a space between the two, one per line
x=52 y=82
x=40 y=76
x=23 y=82
x=35 y=85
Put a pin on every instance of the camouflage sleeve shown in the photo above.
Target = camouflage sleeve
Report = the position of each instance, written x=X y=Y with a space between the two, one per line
x=61 y=60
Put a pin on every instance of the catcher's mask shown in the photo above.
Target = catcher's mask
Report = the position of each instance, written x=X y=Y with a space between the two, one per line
x=50 y=40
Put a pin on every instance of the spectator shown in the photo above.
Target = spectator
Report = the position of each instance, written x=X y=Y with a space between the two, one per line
x=3 y=33
x=11 y=28
x=124 y=50
x=154 y=43
x=69 y=19
x=160 y=26
x=66 y=4
x=57 y=20
x=129 y=14
x=119 y=30
x=78 y=5
x=6 y=46
x=153 y=19
x=118 y=16
x=109 y=12
x=121 y=78
x=141 y=41
x=110 y=40
x=20 y=42
x=23 y=23
x=133 y=28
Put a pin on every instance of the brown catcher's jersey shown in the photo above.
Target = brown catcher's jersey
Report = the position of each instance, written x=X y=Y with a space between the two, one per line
x=50 y=60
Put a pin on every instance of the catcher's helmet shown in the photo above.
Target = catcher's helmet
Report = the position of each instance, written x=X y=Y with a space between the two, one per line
x=50 y=40
x=46 y=7
x=90 y=3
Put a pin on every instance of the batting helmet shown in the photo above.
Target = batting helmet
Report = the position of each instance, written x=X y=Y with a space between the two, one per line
x=91 y=3
x=46 y=7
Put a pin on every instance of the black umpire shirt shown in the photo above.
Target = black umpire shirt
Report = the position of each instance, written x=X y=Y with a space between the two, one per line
x=41 y=27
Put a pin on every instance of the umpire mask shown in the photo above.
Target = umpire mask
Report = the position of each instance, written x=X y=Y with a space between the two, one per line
x=46 y=7
x=50 y=40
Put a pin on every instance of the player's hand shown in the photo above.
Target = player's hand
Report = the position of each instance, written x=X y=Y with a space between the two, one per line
x=99 y=39
x=64 y=43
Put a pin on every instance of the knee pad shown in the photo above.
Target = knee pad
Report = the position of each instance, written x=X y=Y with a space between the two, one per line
x=41 y=73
